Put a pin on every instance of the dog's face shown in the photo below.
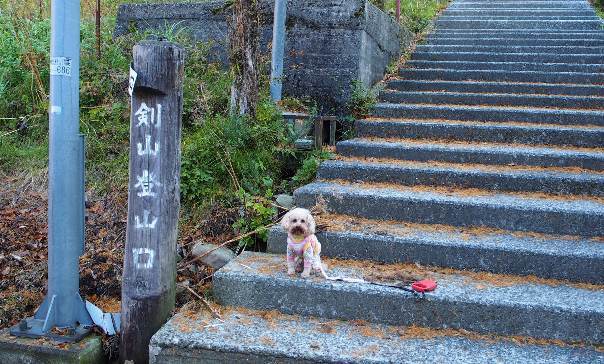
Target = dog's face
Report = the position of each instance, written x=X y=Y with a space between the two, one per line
x=298 y=222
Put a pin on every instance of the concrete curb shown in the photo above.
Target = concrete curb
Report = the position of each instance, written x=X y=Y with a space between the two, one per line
x=500 y=211
x=561 y=312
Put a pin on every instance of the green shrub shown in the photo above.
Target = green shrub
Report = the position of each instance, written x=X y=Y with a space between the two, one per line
x=362 y=100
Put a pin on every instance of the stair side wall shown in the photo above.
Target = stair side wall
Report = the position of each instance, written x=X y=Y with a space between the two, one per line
x=329 y=43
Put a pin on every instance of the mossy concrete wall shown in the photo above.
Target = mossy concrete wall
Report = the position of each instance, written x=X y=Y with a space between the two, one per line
x=329 y=43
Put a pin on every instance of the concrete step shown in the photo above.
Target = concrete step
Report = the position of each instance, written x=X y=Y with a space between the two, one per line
x=538 y=18
x=489 y=114
x=452 y=98
x=244 y=335
x=515 y=42
x=465 y=208
x=497 y=251
x=258 y=281
x=497 y=87
x=509 y=57
x=503 y=179
x=502 y=76
x=503 y=5
x=512 y=34
x=513 y=133
x=518 y=12
x=505 y=48
x=491 y=154
x=506 y=66
x=520 y=24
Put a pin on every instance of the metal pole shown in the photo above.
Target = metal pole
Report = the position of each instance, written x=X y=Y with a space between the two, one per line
x=278 y=49
x=398 y=10
x=63 y=307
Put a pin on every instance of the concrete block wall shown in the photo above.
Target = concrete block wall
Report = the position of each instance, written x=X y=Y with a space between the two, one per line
x=329 y=43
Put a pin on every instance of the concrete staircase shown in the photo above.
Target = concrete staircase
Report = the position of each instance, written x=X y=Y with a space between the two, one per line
x=483 y=168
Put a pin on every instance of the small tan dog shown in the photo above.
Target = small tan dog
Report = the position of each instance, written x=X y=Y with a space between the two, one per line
x=303 y=248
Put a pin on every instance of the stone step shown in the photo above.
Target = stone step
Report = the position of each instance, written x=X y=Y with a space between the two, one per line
x=512 y=34
x=520 y=24
x=244 y=335
x=489 y=114
x=506 y=211
x=509 y=57
x=506 y=66
x=485 y=153
x=518 y=12
x=513 y=133
x=497 y=87
x=503 y=179
x=258 y=281
x=502 y=76
x=505 y=48
x=503 y=5
x=452 y=98
x=515 y=42
x=497 y=251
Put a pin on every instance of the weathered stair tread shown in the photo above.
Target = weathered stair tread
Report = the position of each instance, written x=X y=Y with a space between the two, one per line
x=510 y=66
x=507 y=48
x=501 y=76
x=481 y=99
x=266 y=337
x=459 y=40
x=492 y=178
x=484 y=153
x=490 y=113
x=457 y=207
x=497 y=251
x=497 y=87
x=462 y=301
x=516 y=133
x=509 y=57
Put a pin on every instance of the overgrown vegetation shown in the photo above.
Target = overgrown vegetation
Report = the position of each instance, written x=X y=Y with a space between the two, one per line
x=416 y=15
x=599 y=6
x=228 y=161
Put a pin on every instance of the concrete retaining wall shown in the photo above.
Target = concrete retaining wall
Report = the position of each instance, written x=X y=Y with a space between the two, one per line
x=329 y=43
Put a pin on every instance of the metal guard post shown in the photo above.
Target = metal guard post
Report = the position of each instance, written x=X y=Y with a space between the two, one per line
x=278 y=49
x=63 y=315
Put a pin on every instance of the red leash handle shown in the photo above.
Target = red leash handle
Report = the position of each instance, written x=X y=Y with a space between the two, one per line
x=423 y=286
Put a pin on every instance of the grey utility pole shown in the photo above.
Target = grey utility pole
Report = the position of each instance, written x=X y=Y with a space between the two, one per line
x=63 y=307
x=278 y=49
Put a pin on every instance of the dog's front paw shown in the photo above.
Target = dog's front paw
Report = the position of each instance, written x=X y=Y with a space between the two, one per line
x=291 y=271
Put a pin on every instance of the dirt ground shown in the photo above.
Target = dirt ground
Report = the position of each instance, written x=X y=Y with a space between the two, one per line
x=23 y=247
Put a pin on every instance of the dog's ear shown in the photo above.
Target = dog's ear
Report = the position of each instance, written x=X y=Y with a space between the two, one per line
x=285 y=221
x=311 y=222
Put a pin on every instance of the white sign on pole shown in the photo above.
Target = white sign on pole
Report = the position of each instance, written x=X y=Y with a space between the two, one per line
x=60 y=66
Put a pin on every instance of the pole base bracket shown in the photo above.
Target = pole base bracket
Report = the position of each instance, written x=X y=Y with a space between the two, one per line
x=33 y=328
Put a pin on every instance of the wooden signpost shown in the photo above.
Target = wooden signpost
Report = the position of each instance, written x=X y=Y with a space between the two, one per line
x=148 y=287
